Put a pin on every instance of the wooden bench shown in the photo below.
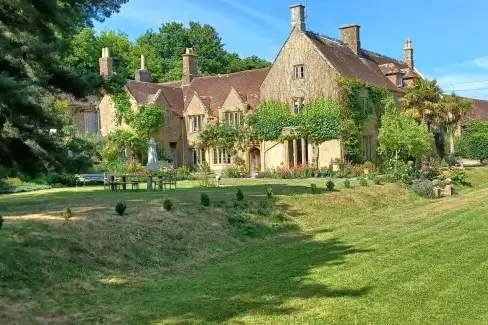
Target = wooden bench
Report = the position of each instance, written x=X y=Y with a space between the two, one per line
x=168 y=178
x=89 y=178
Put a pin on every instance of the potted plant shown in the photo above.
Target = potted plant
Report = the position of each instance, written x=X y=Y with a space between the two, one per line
x=368 y=166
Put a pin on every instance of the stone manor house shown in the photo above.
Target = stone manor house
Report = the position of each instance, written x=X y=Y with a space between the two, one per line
x=306 y=67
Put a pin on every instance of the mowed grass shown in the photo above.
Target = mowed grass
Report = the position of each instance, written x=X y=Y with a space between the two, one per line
x=367 y=255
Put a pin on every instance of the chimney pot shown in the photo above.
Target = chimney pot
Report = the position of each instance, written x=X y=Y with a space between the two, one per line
x=143 y=74
x=105 y=63
x=189 y=67
x=350 y=36
x=298 y=17
x=408 y=53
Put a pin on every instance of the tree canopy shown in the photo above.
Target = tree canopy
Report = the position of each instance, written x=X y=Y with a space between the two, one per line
x=162 y=49
x=34 y=36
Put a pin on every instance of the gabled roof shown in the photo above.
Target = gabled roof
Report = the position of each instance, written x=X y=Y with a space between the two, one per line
x=348 y=64
x=213 y=90
x=146 y=93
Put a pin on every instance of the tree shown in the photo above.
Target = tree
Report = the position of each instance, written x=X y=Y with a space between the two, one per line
x=32 y=73
x=454 y=109
x=270 y=118
x=422 y=100
x=400 y=135
x=319 y=121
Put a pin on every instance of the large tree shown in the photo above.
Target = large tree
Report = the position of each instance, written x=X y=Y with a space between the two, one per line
x=33 y=35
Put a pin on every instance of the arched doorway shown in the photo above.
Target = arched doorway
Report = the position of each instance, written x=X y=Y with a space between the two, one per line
x=254 y=161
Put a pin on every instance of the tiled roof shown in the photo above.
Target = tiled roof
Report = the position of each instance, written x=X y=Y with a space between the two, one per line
x=213 y=90
x=350 y=65
x=479 y=110
x=146 y=92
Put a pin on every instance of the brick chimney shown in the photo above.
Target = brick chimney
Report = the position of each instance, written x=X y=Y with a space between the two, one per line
x=350 y=36
x=105 y=63
x=143 y=74
x=408 y=53
x=298 y=17
x=189 y=67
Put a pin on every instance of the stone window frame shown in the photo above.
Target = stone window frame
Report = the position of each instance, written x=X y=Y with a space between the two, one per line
x=196 y=122
x=198 y=156
x=234 y=118
x=221 y=156
x=167 y=118
x=299 y=71
x=297 y=104
x=399 y=80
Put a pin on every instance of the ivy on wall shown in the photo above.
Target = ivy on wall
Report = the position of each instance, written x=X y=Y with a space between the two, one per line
x=354 y=114
x=270 y=118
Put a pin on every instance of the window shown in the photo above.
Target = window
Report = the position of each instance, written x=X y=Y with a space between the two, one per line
x=196 y=122
x=364 y=103
x=198 y=156
x=91 y=121
x=399 y=80
x=167 y=118
x=367 y=145
x=221 y=156
x=299 y=71
x=297 y=104
x=234 y=118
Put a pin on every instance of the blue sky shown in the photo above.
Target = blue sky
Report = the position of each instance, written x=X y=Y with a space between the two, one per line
x=448 y=36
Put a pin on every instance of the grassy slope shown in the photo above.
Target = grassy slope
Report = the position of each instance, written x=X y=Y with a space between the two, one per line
x=376 y=255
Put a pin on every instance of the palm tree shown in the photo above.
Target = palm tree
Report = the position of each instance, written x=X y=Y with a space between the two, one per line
x=454 y=109
x=423 y=100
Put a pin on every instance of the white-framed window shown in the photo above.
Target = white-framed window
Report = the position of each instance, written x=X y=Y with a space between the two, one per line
x=196 y=123
x=297 y=104
x=298 y=71
x=91 y=122
x=221 y=156
x=367 y=146
x=234 y=118
x=198 y=156
x=167 y=118
x=399 y=80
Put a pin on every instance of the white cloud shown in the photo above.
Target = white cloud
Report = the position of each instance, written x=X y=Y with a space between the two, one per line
x=481 y=62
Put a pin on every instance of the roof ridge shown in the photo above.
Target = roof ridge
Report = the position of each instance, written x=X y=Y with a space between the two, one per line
x=231 y=73
x=382 y=55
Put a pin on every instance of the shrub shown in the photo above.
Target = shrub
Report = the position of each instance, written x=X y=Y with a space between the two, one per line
x=423 y=188
x=251 y=231
x=231 y=171
x=330 y=185
x=450 y=160
x=1 y=222
x=269 y=192
x=63 y=179
x=183 y=173
x=3 y=183
x=120 y=207
x=347 y=183
x=368 y=165
x=362 y=181
x=220 y=204
x=67 y=214
x=377 y=180
x=14 y=181
x=458 y=175
x=239 y=194
x=236 y=218
x=279 y=215
x=168 y=204
x=313 y=188
x=204 y=199
x=242 y=205
x=24 y=188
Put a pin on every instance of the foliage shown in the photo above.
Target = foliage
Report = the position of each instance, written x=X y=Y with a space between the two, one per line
x=24 y=188
x=31 y=80
x=239 y=194
x=457 y=175
x=236 y=217
x=231 y=171
x=269 y=119
x=329 y=185
x=400 y=135
x=424 y=188
x=362 y=181
x=220 y=204
x=299 y=171
x=183 y=173
x=1 y=222
x=205 y=199
x=347 y=183
x=313 y=188
x=120 y=207
x=354 y=114
x=61 y=179
x=269 y=192
x=474 y=142
x=67 y=214
x=219 y=135
x=399 y=170
x=122 y=106
x=147 y=119
x=422 y=100
x=116 y=142
x=451 y=160
x=168 y=204
x=163 y=154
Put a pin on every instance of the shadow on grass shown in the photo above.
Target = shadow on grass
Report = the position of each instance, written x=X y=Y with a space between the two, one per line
x=258 y=280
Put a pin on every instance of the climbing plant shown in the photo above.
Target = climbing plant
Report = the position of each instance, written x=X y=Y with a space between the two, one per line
x=219 y=135
x=122 y=107
x=147 y=119
x=354 y=113
x=270 y=118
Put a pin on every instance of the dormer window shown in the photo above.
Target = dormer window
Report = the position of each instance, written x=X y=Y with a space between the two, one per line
x=399 y=80
x=298 y=71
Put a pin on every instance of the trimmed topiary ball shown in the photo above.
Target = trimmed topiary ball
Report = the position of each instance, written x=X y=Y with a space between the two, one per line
x=120 y=207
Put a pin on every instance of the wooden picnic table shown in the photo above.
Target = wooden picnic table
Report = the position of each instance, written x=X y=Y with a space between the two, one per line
x=158 y=181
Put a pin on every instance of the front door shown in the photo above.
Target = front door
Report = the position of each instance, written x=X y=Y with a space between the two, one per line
x=254 y=161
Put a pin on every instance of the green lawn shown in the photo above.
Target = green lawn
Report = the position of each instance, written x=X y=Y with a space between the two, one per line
x=375 y=255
